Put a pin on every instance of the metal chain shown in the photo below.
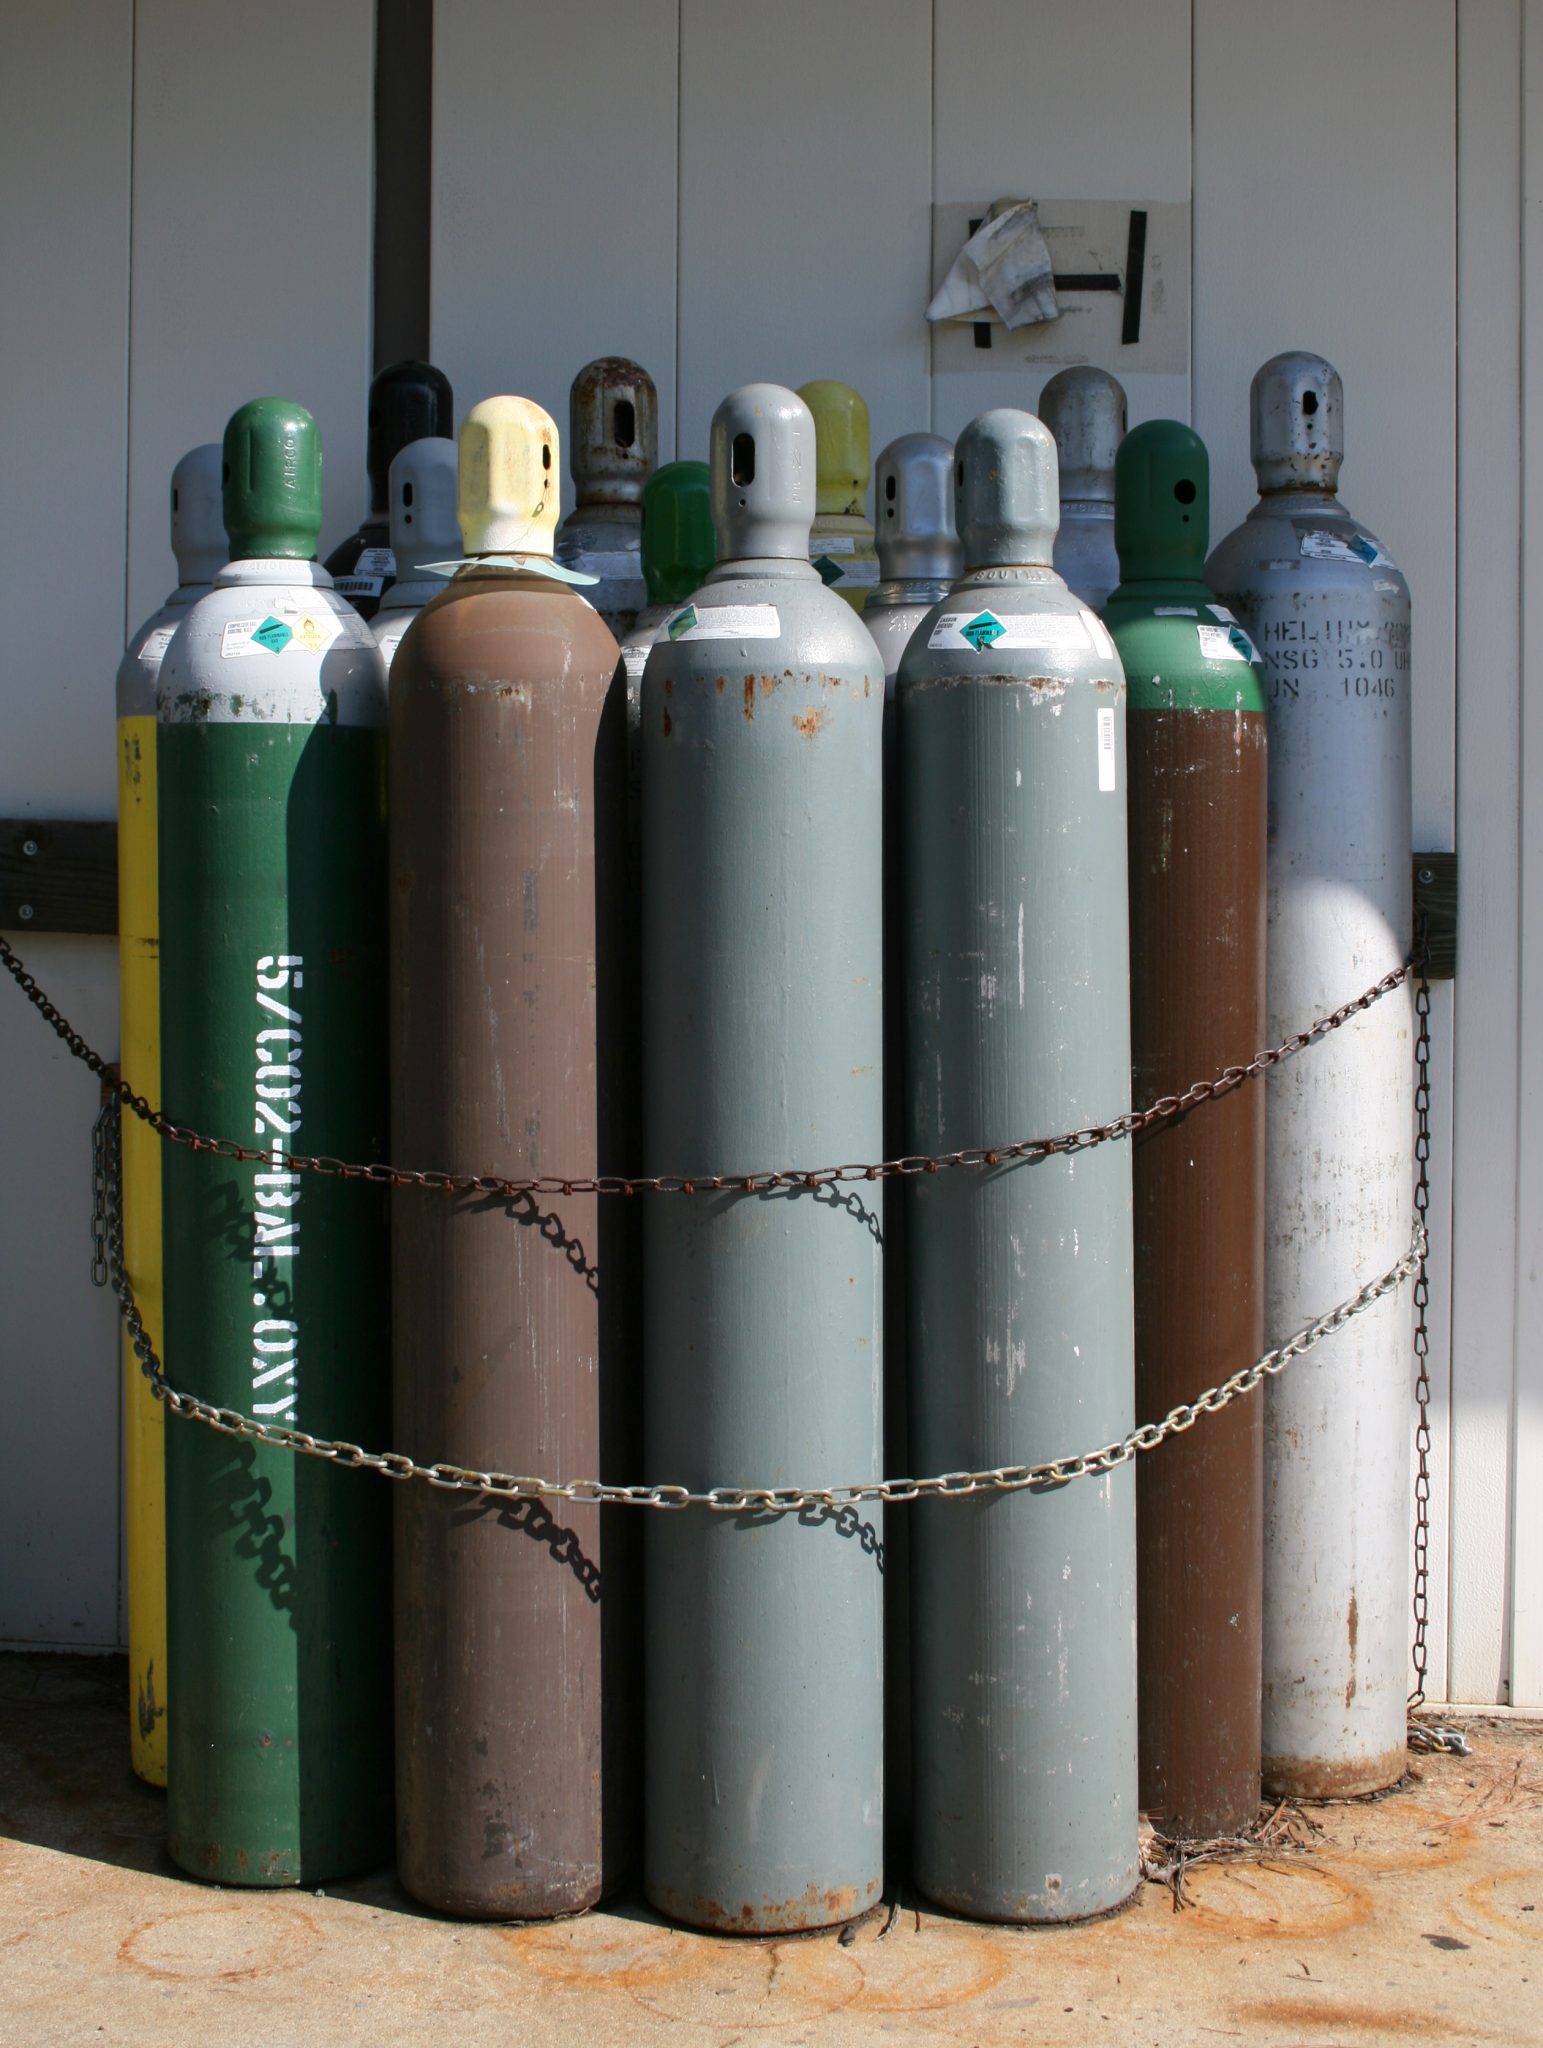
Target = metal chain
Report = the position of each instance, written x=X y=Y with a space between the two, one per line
x=102 y=1192
x=723 y=1500
x=1422 y=1436
x=761 y=1181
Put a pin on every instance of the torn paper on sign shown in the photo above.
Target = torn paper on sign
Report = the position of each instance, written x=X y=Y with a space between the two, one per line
x=1004 y=267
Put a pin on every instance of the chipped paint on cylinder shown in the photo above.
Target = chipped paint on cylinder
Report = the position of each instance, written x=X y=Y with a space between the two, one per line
x=198 y=542
x=1019 y=1339
x=506 y=761
x=762 y=1043
x=1197 y=731
x=409 y=402
x=613 y=445
x=1329 y=612
x=1084 y=408
x=841 y=544
x=422 y=492
x=271 y=769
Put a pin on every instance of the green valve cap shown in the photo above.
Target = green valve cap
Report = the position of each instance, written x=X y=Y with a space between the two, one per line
x=841 y=447
x=272 y=481
x=678 y=542
x=1162 y=504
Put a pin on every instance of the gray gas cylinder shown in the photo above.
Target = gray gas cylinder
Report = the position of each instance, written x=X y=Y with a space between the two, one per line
x=1085 y=410
x=1329 y=612
x=1020 y=1325
x=919 y=559
x=422 y=497
x=199 y=545
x=763 y=705
x=613 y=444
x=918 y=549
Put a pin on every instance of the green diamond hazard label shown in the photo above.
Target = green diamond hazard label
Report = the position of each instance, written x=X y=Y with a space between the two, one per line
x=983 y=630
x=273 y=634
x=682 y=623
x=830 y=572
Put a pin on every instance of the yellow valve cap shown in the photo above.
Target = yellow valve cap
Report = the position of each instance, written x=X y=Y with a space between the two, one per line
x=841 y=457
x=509 y=478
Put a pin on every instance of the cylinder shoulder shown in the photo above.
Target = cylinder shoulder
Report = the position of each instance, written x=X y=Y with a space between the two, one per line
x=1182 y=651
x=260 y=652
x=497 y=628
x=745 y=618
x=1005 y=629
x=1316 y=544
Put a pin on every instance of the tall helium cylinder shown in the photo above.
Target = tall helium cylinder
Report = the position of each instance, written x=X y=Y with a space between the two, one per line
x=503 y=760
x=841 y=542
x=1084 y=408
x=198 y=542
x=409 y=402
x=919 y=561
x=763 y=708
x=1329 y=612
x=1198 y=766
x=271 y=745
x=1019 y=1329
x=613 y=445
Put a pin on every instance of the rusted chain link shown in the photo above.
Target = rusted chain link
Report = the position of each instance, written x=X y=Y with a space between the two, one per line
x=1015 y=1151
x=722 y=1500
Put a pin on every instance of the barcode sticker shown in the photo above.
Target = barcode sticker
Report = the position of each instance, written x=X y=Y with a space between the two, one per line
x=1106 y=779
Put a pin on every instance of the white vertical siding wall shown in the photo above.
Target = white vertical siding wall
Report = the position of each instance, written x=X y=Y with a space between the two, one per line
x=187 y=224
x=725 y=190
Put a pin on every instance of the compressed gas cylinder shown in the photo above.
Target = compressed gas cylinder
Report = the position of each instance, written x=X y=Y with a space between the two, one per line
x=198 y=542
x=763 y=708
x=423 y=529
x=1018 y=1340
x=613 y=444
x=271 y=742
x=1196 y=734
x=678 y=550
x=841 y=540
x=498 y=772
x=1085 y=410
x=1329 y=612
x=408 y=402
x=919 y=561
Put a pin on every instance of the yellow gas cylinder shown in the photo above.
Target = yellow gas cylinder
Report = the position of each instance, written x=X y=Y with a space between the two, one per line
x=198 y=542
x=841 y=539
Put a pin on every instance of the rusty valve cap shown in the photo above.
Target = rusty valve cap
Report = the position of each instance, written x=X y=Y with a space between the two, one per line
x=1084 y=409
x=1162 y=515
x=913 y=497
x=509 y=478
x=408 y=402
x=1006 y=487
x=198 y=515
x=841 y=447
x=762 y=458
x=423 y=505
x=1296 y=417
x=613 y=431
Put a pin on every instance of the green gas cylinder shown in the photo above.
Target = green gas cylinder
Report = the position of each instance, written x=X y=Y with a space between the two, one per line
x=271 y=749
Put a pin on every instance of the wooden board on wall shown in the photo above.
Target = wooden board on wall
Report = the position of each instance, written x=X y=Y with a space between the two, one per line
x=805 y=152
x=553 y=209
x=252 y=245
x=63 y=333
x=1033 y=102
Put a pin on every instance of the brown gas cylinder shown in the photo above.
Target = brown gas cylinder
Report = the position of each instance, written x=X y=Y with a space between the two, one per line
x=507 y=737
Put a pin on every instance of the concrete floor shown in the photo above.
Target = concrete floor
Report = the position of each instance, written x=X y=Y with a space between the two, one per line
x=1418 y=1917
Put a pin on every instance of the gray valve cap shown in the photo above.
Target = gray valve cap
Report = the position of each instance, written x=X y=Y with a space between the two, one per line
x=913 y=503
x=422 y=496
x=1006 y=490
x=1296 y=408
x=762 y=457
x=198 y=514
x=1085 y=410
x=613 y=431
